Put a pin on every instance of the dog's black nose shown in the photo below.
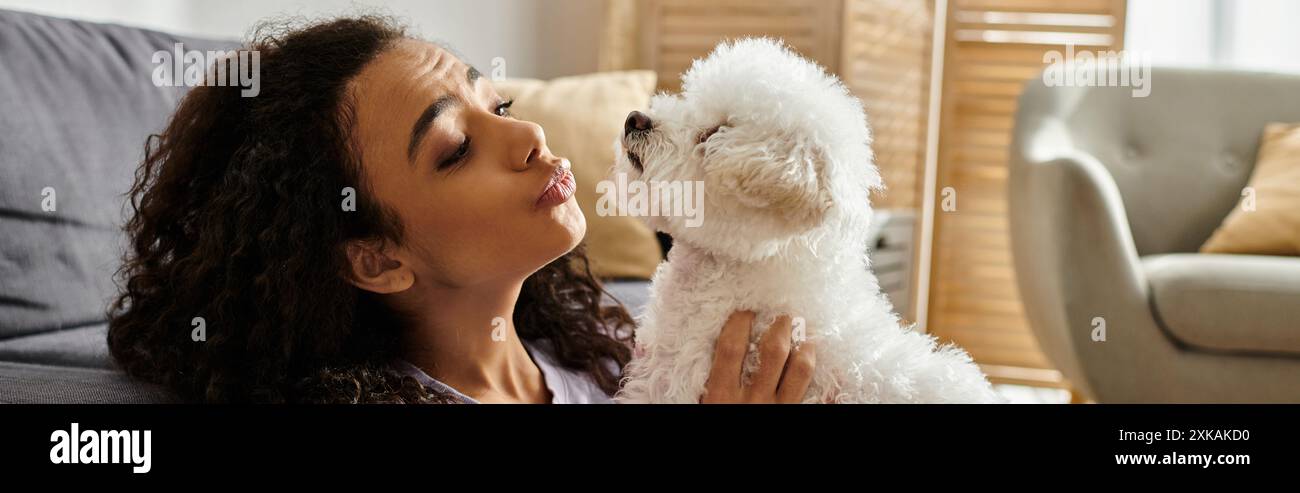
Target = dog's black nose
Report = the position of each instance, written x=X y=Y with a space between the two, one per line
x=636 y=122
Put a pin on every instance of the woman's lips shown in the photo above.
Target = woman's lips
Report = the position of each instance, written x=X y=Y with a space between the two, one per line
x=559 y=189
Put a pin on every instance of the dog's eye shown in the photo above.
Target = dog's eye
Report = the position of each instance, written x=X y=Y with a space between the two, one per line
x=708 y=133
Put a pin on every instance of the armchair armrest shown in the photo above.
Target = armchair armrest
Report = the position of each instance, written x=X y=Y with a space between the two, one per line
x=1076 y=265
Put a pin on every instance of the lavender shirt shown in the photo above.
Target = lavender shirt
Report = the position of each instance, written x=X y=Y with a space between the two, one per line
x=567 y=386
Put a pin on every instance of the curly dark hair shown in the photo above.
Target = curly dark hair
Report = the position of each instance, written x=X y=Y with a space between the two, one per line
x=236 y=220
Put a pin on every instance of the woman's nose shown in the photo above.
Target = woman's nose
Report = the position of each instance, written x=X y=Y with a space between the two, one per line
x=534 y=149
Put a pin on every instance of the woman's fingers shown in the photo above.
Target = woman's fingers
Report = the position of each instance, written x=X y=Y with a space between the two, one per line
x=783 y=375
x=773 y=350
x=723 y=384
x=798 y=374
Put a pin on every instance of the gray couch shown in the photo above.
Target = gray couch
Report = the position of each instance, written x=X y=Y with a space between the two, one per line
x=76 y=104
x=1110 y=198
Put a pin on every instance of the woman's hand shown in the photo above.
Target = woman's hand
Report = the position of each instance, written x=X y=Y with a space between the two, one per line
x=783 y=374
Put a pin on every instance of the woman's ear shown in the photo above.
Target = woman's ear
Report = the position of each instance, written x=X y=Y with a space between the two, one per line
x=374 y=270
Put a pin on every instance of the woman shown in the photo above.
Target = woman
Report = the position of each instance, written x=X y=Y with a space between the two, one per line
x=375 y=227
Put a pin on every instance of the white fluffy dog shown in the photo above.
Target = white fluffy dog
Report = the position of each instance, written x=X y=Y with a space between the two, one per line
x=783 y=151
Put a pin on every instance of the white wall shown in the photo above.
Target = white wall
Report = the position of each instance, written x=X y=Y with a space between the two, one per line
x=1266 y=34
x=1244 y=34
x=537 y=38
x=153 y=14
x=1175 y=32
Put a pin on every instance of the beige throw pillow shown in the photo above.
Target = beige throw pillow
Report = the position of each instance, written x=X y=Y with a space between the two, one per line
x=1273 y=227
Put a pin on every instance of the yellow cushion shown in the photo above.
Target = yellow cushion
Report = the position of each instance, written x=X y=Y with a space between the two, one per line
x=582 y=116
x=1273 y=227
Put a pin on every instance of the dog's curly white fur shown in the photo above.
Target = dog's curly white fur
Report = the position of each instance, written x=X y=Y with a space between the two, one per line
x=783 y=151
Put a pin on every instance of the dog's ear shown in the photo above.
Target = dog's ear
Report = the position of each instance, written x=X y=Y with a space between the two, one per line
x=784 y=177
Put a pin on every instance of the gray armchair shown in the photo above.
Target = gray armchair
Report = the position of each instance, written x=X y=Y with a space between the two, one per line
x=1110 y=198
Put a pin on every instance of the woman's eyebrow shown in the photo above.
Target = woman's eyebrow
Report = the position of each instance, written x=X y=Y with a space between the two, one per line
x=425 y=121
x=431 y=113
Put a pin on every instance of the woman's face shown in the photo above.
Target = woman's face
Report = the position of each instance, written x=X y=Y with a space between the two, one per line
x=480 y=196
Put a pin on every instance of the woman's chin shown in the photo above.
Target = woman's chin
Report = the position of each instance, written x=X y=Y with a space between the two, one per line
x=569 y=219
x=562 y=229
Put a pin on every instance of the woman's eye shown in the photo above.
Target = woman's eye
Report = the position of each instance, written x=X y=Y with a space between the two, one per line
x=456 y=157
x=709 y=133
x=503 y=108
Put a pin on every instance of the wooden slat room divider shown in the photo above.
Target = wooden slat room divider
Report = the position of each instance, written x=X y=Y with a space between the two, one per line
x=993 y=47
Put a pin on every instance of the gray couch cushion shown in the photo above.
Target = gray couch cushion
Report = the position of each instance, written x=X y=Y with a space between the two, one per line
x=1228 y=302
x=633 y=293
x=22 y=383
x=77 y=102
x=81 y=347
